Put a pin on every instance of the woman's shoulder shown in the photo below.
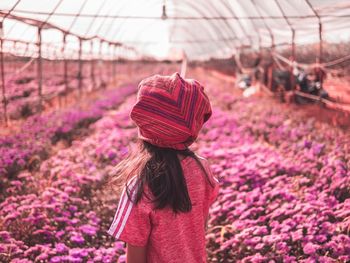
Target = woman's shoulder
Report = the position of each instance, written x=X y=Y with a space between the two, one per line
x=192 y=162
x=206 y=164
x=204 y=161
x=189 y=159
x=200 y=157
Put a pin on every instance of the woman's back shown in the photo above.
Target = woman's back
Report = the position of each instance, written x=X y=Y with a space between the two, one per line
x=170 y=237
x=181 y=237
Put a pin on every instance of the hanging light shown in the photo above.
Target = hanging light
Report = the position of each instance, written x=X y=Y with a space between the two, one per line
x=164 y=15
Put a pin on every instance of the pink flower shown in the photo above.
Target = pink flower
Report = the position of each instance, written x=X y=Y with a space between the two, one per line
x=122 y=259
x=310 y=248
x=88 y=230
x=259 y=246
x=119 y=245
x=320 y=238
x=77 y=238
x=61 y=247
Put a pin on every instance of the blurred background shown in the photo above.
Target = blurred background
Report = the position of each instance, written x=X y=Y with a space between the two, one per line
x=51 y=48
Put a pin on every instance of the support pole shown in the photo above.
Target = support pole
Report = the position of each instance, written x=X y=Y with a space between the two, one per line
x=114 y=63
x=183 y=64
x=291 y=68
x=15 y=62
x=320 y=47
x=3 y=88
x=100 y=60
x=271 y=67
x=65 y=64
x=293 y=44
x=260 y=45
x=80 y=64
x=40 y=69
x=110 y=62
x=319 y=61
x=292 y=78
x=12 y=61
x=92 y=73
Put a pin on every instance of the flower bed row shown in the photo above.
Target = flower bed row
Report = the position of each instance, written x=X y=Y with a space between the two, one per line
x=33 y=142
x=285 y=186
x=56 y=214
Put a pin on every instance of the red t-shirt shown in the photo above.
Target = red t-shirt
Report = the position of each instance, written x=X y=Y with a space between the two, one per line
x=169 y=237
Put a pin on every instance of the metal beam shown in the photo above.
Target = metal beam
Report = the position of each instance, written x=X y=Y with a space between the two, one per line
x=320 y=47
x=265 y=24
x=182 y=17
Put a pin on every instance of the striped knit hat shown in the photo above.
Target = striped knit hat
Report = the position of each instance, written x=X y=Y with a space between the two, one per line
x=170 y=111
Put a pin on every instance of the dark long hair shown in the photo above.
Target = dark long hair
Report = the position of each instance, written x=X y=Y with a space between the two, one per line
x=160 y=170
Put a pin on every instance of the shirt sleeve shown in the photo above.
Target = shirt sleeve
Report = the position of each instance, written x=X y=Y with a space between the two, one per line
x=131 y=222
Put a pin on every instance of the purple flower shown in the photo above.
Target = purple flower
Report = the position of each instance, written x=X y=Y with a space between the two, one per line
x=252 y=241
x=320 y=238
x=289 y=259
x=88 y=230
x=4 y=235
x=270 y=239
x=59 y=234
x=73 y=208
x=317 y=148
x=111 y=155
x=97 y=258
x=297 y=235
x=257 y=258
x=310 y=248
x=78 y=252
x=61 y=248
x=77 y=238
x=42 y=256
x=74 y=259
x=261 y=230
x=119 y=245
x=56 y=259
x=259 y=246
x=307 y=144
x=324 y=259
x=122 y=259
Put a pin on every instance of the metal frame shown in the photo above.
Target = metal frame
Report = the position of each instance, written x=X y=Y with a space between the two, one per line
x=180 y=17
x=320 y=47
x=215 y=26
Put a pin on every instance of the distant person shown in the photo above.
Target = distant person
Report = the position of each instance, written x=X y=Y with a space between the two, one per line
x=168 y=189
x=309 y=82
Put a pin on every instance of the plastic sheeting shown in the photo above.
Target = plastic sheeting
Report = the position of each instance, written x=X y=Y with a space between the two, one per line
x=201 y=29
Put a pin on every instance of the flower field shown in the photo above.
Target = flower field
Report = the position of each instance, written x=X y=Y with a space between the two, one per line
x=22 y=86
x=284 y=196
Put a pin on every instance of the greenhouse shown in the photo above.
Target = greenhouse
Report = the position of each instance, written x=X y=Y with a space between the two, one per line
x=175 y=131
